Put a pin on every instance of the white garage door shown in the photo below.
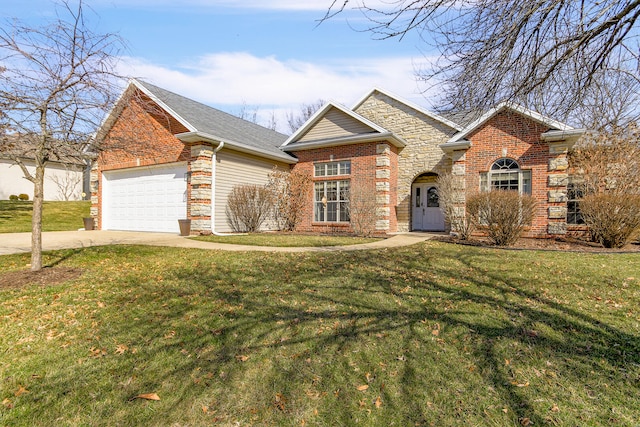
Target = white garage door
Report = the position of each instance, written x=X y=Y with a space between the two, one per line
x=145 y=199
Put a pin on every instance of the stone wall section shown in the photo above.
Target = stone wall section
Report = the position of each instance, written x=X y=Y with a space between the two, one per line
x=558 y=180
x=199 y=188
x=423 y=136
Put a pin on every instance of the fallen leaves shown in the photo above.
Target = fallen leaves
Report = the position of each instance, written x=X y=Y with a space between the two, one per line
x=378 y=402
x=97 y=352
x=363 y=387
x=148 y=396
x=242 y=358
x=21 y=390
x=280 y=402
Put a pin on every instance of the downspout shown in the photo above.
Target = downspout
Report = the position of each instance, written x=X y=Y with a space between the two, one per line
x=213 y=193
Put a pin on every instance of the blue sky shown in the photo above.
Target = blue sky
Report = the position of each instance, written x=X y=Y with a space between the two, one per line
x=268 y=54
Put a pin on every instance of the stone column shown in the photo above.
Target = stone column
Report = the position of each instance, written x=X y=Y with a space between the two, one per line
x=558 y=180
x=383 y=187
x=199 y=188
x=459 y=172
x=94 y=188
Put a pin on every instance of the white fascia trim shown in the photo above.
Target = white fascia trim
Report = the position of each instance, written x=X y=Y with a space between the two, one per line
x=164 y=106
x=355 y=139
x=450 y=147
x=511 y=106
x=321 y=112
x=238 y=146
x=562 y=135
x=409 y=104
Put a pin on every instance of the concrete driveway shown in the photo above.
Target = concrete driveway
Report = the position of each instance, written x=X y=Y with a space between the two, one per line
x=15 y=243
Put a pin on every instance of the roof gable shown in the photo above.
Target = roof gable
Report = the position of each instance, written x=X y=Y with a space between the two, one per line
x=525 y=112
x=411 y=105
x=206 y=123
x=334 y=120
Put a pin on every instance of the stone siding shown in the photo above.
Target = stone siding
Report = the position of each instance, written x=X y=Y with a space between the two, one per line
x=423 y=136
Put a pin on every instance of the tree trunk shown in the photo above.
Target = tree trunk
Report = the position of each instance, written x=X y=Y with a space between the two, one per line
x=36 y=221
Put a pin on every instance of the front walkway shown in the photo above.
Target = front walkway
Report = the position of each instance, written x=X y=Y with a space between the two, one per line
x=15 y=243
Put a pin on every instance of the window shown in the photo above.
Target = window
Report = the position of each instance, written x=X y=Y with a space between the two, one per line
x=333 y=168
x=505 y=174
x=433 y=200
x=574 y=193
x=331 y=201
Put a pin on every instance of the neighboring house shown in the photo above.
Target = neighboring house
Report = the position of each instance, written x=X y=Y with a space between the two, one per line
x=63 y=179
x=394 y=151
x=167 y=157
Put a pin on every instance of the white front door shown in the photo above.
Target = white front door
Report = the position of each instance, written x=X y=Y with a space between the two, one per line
x=427 y=215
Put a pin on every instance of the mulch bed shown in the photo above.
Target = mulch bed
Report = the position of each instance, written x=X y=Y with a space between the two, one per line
x=46 y=277
x=565 y=244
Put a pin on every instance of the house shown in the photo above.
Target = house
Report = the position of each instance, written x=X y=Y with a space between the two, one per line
x=164 y=157
x=63 y=177
x=167 y=157
x=395 y=150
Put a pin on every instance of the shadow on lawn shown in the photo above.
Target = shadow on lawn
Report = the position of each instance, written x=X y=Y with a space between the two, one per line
x=338 y=291
x=309 y=323
x=9 y=209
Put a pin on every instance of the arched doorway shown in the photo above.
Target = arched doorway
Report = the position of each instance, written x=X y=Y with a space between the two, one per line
x=426 y=214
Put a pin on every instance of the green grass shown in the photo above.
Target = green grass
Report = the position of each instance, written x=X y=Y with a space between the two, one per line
x=287 y=240
x=440 y=334
x=15 y=216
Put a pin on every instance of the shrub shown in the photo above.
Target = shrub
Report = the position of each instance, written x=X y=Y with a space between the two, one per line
x=503 y=214
x=290 y=192
x=13 y=197
x=451 y=192
x=606 y=168
x=362 y=207
x=613 y=219
x=248 y=206
x=23 y=197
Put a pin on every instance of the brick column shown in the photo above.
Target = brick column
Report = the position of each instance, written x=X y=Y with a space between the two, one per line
x=199 y=188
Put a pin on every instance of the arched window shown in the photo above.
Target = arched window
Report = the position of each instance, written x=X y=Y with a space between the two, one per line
x=505 y=174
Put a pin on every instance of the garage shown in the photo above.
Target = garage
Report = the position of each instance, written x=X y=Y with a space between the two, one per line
x=145 y=199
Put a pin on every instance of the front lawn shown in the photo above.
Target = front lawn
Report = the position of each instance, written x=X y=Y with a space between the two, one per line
x=15 y=216
x=287 y=240
x=431 y=334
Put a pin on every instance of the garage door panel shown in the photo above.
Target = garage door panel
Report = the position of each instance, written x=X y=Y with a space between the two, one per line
x=145 y=199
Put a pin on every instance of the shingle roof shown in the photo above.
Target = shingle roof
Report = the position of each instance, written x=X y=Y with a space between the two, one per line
x=223 y=125
x=462 y=118
x=22 y=146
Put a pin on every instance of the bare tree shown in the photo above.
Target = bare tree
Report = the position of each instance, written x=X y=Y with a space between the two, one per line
x=363 y=209
x=544 y=54
x=55 y=87
x=291 y=191
x=296 y=120
x=248 y=113
x=67 y=184
x=452 y=203
x=606 y=169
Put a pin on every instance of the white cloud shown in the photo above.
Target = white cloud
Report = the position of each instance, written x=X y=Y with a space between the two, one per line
x=227 y=80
